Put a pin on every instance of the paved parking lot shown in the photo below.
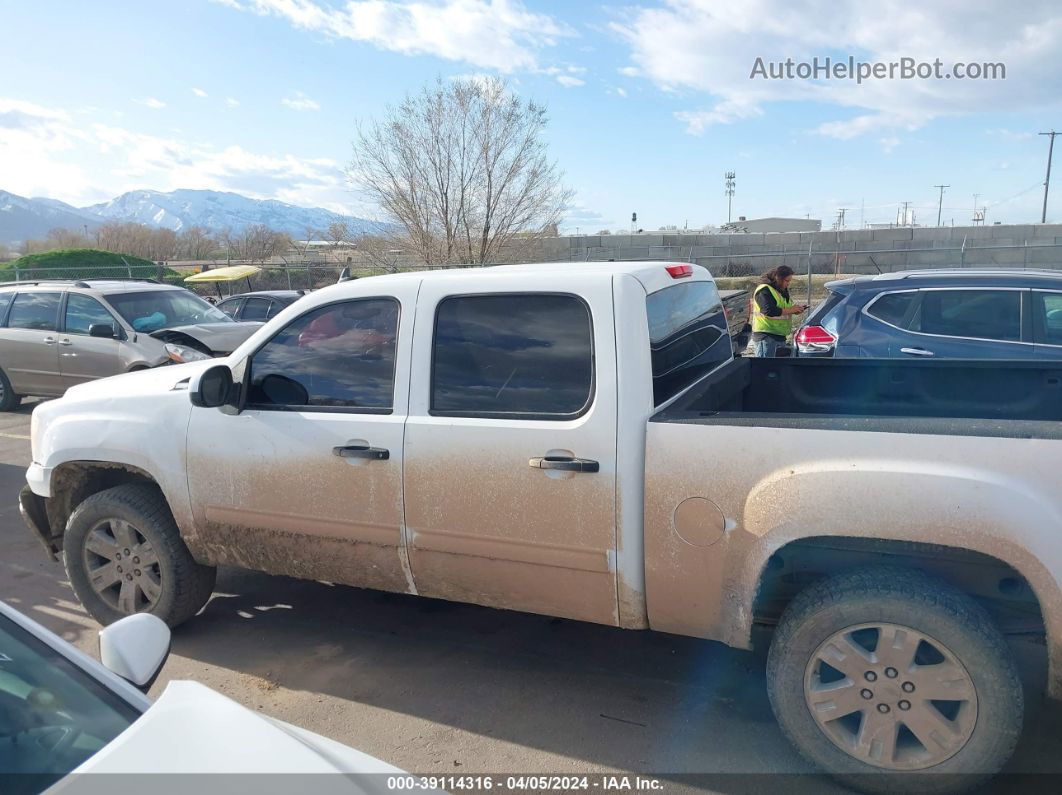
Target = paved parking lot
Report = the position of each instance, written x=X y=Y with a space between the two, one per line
x=437 y=687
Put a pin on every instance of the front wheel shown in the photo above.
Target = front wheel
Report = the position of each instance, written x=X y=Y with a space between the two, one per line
x=124 y=554
x=893 y=681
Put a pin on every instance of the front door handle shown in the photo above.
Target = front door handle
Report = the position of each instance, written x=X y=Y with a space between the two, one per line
x=362 y=451
x=49 y=340
x=65 y=342
x=565 y=464
x=917 y=351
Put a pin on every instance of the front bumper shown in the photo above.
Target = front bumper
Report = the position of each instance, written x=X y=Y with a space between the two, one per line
x=31 y=506
x=39 y=479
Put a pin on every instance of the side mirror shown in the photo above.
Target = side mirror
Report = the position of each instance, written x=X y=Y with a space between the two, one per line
x=135 y=648
x=212 y=387
x=105 y=330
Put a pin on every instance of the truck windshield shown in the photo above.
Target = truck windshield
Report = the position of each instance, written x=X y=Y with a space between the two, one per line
x=53 y=715
x=152 y=310
x=688 y=336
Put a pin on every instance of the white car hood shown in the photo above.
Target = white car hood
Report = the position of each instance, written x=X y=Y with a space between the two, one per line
x=192 y=729
x=142 y=382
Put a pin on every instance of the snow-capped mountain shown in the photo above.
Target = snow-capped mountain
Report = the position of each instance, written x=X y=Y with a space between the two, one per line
x=27 y=219
x=30 y=219
x=215 y=210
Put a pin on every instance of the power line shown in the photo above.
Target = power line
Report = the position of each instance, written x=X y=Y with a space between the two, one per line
x=1047 y=179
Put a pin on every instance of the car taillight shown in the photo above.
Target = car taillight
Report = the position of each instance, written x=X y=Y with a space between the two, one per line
x=679 y=271
x=814 y=339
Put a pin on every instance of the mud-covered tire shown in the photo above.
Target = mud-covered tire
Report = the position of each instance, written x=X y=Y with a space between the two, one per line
x=9 y=401
x=183 y=585
x=896 y=598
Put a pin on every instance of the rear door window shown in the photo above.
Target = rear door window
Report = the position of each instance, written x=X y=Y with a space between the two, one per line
x=688 y=336
x=512 y=357
x=892 y=308
x=38 y=311
x=975 y=314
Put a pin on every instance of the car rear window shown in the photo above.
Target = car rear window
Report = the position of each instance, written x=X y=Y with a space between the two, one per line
x=892 y=308
x=528 y=356
x=688 y=336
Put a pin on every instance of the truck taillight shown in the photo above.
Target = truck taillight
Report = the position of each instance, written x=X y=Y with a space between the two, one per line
x=679 y=271
x=814 y=339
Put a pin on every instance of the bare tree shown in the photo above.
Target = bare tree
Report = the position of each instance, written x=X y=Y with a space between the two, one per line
x=381 y=252
x=195 y=242
x=463 y=169
x=339 y=233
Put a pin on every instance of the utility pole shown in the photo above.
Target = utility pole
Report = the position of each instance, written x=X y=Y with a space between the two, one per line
x=903 y=214
x=839 y=224
x=1047 y=179
x=940 y=202
x=729 y=177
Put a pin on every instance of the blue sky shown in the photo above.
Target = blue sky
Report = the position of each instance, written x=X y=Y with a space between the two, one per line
x=649 y=102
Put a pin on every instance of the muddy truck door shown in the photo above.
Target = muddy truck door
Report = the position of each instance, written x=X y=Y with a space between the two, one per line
x=510 y=468
x=307 y=479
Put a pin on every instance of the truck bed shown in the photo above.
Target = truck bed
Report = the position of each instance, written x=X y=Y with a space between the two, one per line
x=959 y=397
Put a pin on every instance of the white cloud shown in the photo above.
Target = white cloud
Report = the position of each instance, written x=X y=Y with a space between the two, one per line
x=300 y=102
x=493 y=34
x=232 y=103
x=710 y=47
x=44 y=152
x=889 y=143
x=199 y=92
x=154 y=104
x=570 y=82
x=725 y=112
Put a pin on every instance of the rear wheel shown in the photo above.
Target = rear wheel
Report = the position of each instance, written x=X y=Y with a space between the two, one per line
x=895 y=682
x=9 y=401
x=124 y=554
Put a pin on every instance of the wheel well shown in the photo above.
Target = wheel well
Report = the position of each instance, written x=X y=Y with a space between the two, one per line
x=997 y=586
x=75 y=481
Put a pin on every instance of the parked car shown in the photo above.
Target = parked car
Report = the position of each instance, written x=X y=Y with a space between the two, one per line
x=260 y=305
x=736 y=310
x=955 y=313
x=55 y=334
x=576 y=440
x=62 y=712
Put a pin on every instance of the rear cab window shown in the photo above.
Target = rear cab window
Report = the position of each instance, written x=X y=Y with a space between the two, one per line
x=518 y=356
x=688 y=336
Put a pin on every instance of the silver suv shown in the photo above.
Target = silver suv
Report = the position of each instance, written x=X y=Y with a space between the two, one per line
x=55 y=334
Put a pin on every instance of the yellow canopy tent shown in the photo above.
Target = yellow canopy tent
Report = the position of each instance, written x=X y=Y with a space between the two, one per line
x=233 y=273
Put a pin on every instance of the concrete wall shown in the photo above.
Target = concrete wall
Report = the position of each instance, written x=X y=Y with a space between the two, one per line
x=851 y=251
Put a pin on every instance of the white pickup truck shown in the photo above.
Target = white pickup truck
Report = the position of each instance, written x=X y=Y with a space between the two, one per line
x=576 y=440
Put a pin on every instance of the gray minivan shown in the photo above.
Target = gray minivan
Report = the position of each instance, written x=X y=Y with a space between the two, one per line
x=55 y=334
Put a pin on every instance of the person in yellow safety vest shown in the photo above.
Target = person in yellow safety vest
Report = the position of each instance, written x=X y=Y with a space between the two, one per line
x=772 y=311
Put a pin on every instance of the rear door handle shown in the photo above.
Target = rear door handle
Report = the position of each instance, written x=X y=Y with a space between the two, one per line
x=49 y=340
x=65 y=342
x=564 y=464
x=917 y=352
x=362 y=451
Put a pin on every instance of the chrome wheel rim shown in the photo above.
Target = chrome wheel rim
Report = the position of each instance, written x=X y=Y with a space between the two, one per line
x=891 y=696
x=122 y=566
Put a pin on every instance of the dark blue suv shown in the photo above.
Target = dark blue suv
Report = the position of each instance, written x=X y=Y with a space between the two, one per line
x=959 y=314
